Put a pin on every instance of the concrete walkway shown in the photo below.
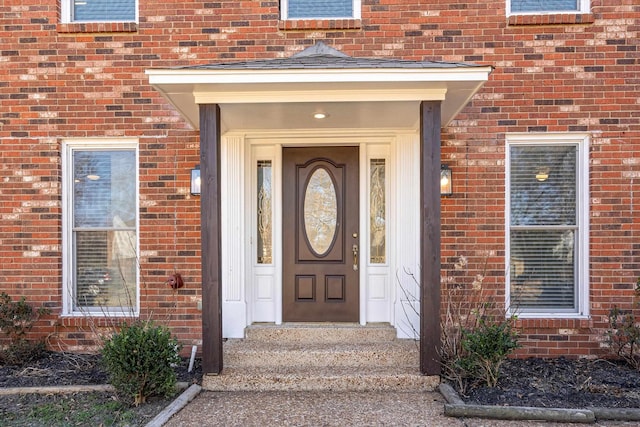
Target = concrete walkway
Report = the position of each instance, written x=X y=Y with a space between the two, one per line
x=285 y=408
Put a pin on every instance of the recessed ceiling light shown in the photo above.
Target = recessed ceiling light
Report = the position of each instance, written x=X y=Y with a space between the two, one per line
x=319 y=115
x=93 y=177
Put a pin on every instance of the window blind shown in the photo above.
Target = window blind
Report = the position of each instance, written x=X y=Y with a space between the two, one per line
x=104 y=10
x=543 y=226
x=104 y=229
x=543 y=5
x=320 y=9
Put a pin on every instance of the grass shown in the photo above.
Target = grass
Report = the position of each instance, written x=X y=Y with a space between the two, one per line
x=75 y=409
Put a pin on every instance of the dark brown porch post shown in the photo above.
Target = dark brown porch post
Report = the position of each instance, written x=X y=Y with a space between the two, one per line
x=430 y=237
x=210 y=233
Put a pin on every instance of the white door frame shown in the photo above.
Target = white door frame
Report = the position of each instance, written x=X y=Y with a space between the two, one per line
x=252 y=292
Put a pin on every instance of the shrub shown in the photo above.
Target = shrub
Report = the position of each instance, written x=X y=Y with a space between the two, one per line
x=16 y=320
x=623 y=335
x=485 y=348
x=139 y=360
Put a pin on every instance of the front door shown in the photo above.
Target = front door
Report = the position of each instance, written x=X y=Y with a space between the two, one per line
x=320 y=234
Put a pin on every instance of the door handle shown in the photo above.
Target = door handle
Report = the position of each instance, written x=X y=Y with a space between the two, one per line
x=355 y=257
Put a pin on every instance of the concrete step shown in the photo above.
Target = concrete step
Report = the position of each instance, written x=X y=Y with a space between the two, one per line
x=313 y=357
x=247 y=353
x=315 y=379
x=351 y=333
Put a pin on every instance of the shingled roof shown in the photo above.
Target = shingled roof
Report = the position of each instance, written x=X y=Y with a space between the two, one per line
x=321 y=56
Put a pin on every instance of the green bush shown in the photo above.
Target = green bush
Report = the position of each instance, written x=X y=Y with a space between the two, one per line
x=16 y=319
x=485 y=349
x=139 y=360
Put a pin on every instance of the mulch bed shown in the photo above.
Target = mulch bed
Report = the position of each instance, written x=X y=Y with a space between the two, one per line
x=561 y=383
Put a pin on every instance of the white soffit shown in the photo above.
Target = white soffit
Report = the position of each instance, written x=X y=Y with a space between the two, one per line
x=283 y=99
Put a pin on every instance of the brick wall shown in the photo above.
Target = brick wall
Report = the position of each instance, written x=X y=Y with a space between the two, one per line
x=558 y=73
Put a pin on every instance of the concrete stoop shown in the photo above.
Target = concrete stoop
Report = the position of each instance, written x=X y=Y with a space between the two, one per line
x=320 y=357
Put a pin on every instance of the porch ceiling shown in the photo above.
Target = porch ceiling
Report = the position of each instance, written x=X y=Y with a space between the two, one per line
x=353 y=92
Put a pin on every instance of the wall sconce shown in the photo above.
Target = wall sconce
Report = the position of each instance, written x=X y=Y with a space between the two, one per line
x=446 y=184
x=195 y=180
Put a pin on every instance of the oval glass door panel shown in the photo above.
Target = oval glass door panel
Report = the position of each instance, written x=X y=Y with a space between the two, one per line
x=320 y=211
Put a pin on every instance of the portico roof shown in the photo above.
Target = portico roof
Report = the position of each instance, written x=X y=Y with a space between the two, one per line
x=284 y=93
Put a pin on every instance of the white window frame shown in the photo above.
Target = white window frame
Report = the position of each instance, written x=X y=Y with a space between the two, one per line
x=581 y=141
x=284 y=8
x=66 y=13
x=68 y=148
x=584 y=6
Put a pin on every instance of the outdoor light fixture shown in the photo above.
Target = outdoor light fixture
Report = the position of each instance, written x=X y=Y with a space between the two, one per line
x=446 y=184
x=195 y=180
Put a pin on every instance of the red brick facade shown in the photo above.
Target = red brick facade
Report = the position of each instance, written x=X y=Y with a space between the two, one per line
x=553 y=73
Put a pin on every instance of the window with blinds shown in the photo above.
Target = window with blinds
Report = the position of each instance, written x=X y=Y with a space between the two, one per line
x=543 y=227
x=103 y=224
x=307 y=9
x=103 y=10
x=530 y=6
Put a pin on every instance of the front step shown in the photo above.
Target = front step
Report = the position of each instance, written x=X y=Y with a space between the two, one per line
x=327 y=379
x=247 y=353
x=314 y=333
x=315 y=357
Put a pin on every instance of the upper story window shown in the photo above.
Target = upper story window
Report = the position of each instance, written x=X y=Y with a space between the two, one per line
x=100 y=227
x=320 y=9
x=99 y=10
x=547 y=6
x=547 y=225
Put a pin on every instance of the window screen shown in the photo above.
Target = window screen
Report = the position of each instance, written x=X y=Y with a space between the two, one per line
x=104 y=10
x=543 y=228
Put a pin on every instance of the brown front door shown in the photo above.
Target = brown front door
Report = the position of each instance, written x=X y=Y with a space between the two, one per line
x=320 y=234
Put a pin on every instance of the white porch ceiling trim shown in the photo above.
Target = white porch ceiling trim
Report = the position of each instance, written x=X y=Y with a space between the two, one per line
x=252 y=93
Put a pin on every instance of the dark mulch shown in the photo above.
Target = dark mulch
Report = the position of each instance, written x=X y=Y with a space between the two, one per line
x=90 y=408
x=74 y=369
x=562 y=383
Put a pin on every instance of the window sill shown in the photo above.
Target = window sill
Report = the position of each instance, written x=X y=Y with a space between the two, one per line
x=551 y=19
x=97 y=27
x=319 y=24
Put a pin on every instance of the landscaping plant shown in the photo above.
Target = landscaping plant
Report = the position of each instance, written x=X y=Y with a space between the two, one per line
x=486 y=347
x=476 y=336
x=139 y=360
x=16 y=320
x=623 y=335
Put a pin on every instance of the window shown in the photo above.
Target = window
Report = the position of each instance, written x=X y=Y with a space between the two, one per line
x=545 y=6
x=547 y=236
x=100 y=244
x=377 y=211
x=264 y=213
x=312 y=9
x=99 y=10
